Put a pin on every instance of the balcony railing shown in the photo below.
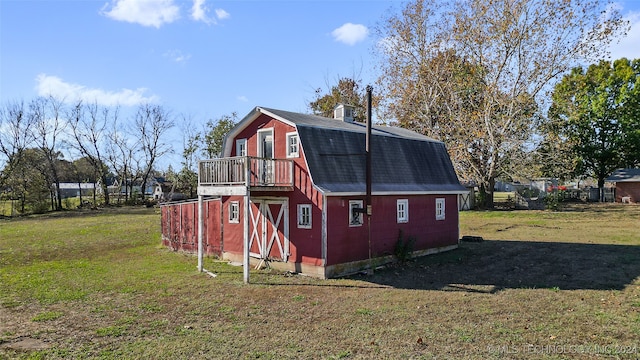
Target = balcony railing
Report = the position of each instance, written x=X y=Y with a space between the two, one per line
x=234 y=171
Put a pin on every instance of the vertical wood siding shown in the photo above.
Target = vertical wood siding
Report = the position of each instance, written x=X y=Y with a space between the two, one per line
x=180 y=227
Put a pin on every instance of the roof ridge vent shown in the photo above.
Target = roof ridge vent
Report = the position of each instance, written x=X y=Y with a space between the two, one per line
x=343 y=112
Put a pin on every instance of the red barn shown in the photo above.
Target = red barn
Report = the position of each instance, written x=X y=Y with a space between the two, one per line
x=290 y=186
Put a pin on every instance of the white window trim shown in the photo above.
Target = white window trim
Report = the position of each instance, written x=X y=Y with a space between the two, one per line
x=440 y=209
x=297 y=152
x=263 y=133
x=360 y=204
x=236 y=219
x=402 y=218
x=300 y=212
x=240 y=142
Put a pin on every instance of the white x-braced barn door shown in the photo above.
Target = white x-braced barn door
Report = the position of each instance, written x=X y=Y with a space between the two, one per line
x=269 y=229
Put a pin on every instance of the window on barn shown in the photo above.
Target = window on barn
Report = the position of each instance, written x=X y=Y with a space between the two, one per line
x=241 y=147
x=234 y=212
x=440 y=209
x=402 y=210
x=355 y=218
x=292 y=145
x=304 y=216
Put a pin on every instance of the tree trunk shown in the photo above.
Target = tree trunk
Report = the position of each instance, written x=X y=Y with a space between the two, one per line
x=80 y=191
x=58 y=193
x=105 y=189
x=601 y=188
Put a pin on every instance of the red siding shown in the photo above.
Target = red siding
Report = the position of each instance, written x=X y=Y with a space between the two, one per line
x=305 y=244
x=347 y=244
x=344 y=243
x=631 y=189
x=180 y=227
x=233 y=233
x=250 y=133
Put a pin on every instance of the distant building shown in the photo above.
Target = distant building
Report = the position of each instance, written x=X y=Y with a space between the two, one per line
x=69 y=190
x=627 y=185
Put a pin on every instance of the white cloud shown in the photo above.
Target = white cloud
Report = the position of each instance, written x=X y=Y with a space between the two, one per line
x=629 y=46
x=199 y=12
x=350 y=34
x=52 y=85
x=242 y=98
x=221 y=14
x=177 y=56
x=144 y=12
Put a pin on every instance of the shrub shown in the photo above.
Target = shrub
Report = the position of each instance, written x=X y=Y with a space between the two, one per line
x=403 y=248
x=553 y=200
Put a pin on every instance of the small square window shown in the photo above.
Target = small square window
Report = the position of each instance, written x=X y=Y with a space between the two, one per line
x=304 y=216
x=402 y=209
x=241 y=147
x=356 y=217
x=440 y=209
x=234 y=212
x=292 y=145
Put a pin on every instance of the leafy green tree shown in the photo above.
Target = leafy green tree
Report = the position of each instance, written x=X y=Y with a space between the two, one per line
x=554 y=157
x=596 y=111
x=28 y=182
x=215 y=132
x=347 y=91
x=473 y=73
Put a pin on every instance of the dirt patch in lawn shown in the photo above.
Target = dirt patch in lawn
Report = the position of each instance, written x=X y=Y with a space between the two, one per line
x=25 y=344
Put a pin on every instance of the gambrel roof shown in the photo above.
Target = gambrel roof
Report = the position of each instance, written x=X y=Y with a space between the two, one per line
x=403 y=161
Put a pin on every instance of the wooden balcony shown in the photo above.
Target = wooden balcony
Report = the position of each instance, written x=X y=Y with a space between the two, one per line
x=236 y=175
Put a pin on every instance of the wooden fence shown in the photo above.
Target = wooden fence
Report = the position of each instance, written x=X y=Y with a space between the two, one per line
x=180 y=226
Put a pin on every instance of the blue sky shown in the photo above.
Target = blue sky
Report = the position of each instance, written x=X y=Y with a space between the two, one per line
x=230 y=56
x=201 y=58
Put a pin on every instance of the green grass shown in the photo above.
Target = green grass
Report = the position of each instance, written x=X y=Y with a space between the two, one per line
x=97 y=284
x=48 y=315
x=5 y=208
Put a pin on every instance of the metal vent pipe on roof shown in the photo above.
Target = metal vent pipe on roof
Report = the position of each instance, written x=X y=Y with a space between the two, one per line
x=368 y=150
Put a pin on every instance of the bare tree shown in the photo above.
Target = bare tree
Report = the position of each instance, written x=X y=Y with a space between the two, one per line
x=152 y=122
x=15 y=133
x=474 y=73
x=47 y=129
x=192 y=140
x=88 y=124
x=121 y=149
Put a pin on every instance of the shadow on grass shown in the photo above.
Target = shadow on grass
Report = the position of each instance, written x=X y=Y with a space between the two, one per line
x=492 y=266
x=85 y=212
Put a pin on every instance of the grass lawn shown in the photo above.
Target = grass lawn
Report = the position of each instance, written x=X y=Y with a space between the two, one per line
x=97 y=284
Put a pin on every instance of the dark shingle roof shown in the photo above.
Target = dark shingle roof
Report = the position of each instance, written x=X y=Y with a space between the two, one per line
x=402 y=160
x=625 y=175
x=327 y=123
